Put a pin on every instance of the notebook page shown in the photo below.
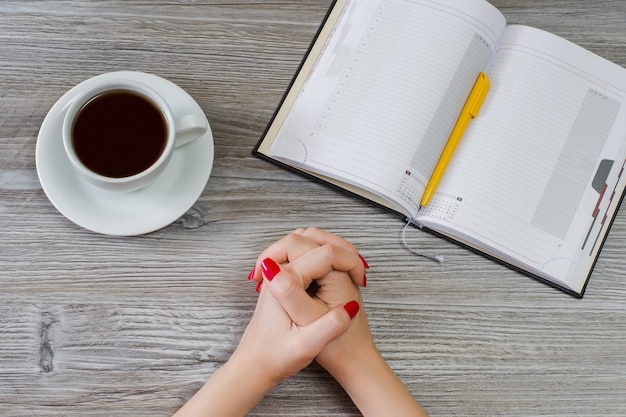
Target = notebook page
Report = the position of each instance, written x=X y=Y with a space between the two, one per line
x=394 y=73
x=540 y=164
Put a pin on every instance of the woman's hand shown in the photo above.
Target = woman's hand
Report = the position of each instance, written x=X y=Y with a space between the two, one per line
x=301 y=252
x=274 y=345
x=279 y=341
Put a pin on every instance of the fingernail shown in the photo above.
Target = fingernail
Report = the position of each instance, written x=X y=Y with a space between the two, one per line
x=258 y=286
x=365 y=264
x=364 y=280
x=251 y=274
x=270 y=268
x=352 y=308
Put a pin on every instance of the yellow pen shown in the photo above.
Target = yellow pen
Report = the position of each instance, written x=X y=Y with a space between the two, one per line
x=470 y=110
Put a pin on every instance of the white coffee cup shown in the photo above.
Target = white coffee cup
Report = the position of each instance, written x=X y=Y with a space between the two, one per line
x=111 y=110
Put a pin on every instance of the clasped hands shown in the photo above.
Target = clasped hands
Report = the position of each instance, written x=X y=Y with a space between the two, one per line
x=295 y=326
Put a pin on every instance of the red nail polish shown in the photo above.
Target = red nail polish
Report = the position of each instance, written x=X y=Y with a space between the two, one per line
x=365 y=264
x=352 y=308
x=364 y=280
x=270 y=268
x=258 y=286
x=251 y=274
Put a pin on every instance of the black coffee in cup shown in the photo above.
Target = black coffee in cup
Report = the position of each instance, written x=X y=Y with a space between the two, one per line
x=119 y=133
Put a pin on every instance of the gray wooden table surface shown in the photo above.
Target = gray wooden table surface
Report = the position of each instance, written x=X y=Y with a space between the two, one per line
x=94 y=325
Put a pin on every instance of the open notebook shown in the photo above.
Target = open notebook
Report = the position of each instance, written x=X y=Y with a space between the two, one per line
x=539 y=174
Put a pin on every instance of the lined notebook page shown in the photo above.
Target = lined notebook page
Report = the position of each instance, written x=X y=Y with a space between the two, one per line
x=383 y=98
x=522 y=177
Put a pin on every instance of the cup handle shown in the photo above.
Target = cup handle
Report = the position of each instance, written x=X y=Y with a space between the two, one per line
x=189 y=128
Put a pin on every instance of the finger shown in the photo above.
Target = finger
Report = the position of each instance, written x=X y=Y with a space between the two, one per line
x=335 y=288
x=301 y=308
x=314 y=337
x=284 y=250
x=320 y=261
x=323 y=237
x=302 y=241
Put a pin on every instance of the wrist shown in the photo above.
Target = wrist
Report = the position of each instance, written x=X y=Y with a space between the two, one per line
x=232 y=391
x=344 y=356
x=249 y=375
x=373 y=386
x=355 y=369
x=345 y=365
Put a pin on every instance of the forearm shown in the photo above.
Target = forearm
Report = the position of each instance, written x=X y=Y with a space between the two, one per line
x=232 y=391
x=374 y=388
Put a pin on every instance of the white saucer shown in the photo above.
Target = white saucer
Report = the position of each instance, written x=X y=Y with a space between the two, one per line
x=118 y=213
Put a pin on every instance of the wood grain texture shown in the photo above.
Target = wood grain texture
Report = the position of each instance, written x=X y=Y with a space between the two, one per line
x=92 y=325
